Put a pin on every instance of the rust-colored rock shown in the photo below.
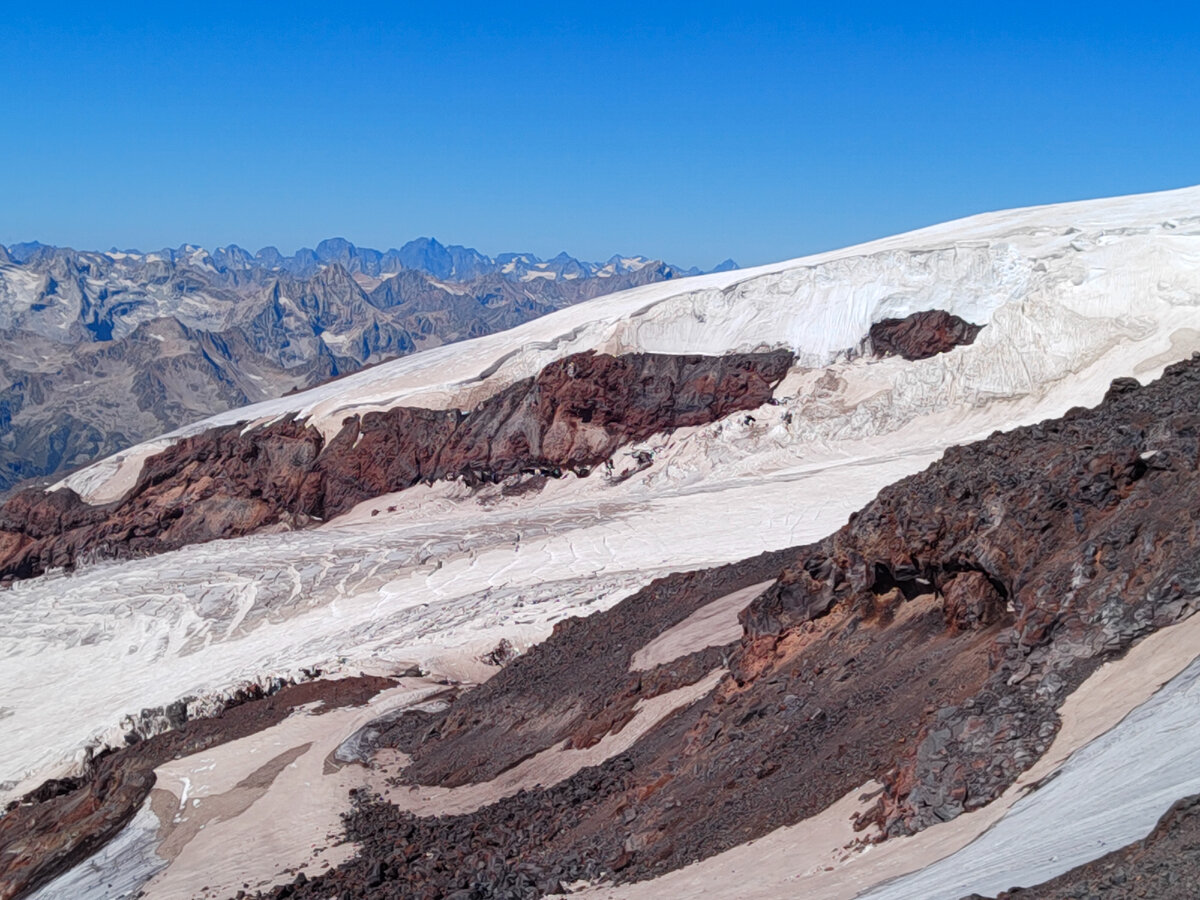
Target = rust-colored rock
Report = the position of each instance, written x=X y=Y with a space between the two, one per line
x=228 y=482
x=970 y=600
x=922 y=334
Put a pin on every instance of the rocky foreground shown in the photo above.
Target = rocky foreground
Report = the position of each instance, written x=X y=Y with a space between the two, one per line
x=927 y=645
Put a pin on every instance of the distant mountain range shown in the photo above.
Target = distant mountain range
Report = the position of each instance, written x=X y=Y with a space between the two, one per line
x=445 y=263
x=99 y=350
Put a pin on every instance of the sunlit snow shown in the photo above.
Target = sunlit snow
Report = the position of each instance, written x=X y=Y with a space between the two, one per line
x=1072 y=296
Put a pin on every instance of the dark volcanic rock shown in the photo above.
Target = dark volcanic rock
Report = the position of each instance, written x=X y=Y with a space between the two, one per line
x=921 y=335
x=577 y=684
x=1065 y=540
x=228 y=482
x=928 y=644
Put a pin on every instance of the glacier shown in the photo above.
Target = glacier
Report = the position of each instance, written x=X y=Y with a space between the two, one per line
x=1072 y=296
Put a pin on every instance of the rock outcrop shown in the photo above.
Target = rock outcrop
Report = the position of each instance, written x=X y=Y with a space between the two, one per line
x=230 y=481
x=928 y=645
x=921 y=335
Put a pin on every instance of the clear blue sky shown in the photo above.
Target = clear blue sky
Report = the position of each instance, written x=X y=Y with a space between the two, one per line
x=694 y=133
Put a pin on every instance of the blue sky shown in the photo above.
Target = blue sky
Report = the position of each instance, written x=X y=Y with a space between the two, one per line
x=693 y=133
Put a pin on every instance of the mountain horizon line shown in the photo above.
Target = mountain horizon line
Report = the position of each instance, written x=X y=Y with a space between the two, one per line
x=419 y=253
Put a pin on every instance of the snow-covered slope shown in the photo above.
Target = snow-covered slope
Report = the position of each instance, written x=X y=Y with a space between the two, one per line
x=1071 y=295
x=1061 y=286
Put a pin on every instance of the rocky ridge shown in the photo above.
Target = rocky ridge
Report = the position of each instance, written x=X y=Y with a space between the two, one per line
x=230 y=481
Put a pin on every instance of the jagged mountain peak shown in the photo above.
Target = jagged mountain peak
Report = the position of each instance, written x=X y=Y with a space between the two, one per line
x=448 y=263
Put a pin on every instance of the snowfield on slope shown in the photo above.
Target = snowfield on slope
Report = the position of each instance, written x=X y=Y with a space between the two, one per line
x=1072 y=295
x=1065 y=281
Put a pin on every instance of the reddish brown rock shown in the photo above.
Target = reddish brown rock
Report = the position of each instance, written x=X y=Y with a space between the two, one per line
x=376 y=454
x=574 y=415
x=922 y=334
x=228 y=482
x=970 y=601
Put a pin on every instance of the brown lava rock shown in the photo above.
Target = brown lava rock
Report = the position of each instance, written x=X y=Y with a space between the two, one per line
x=922 y=334
x=228 y=482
